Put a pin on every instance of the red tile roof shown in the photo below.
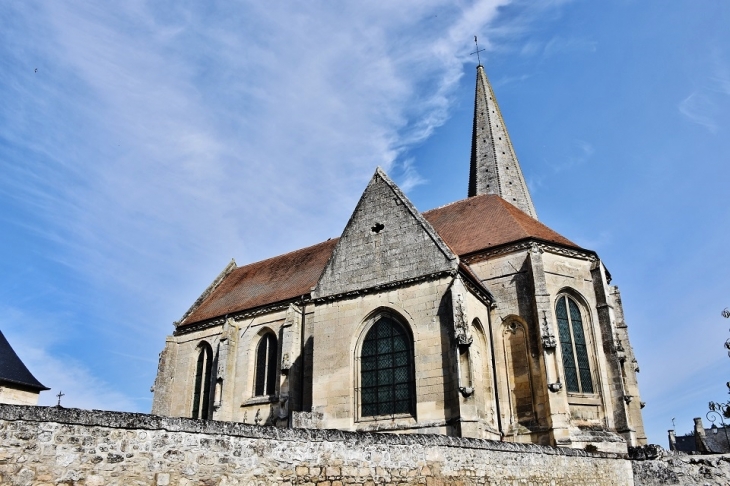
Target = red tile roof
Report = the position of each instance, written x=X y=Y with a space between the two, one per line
x=467 y=226
x=277 y=279
x=486 y=221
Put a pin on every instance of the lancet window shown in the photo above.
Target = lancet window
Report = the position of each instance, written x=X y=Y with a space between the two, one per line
x=203 y=370
x=576 y=363
x=266 y=353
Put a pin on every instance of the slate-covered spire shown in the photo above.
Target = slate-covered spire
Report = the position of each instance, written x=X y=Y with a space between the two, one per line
x=494 y=166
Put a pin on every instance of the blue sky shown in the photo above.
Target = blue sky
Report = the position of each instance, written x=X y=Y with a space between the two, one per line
x=145 y=144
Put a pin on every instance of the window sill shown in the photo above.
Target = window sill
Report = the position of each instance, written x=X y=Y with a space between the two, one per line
x=581 y=399
x=380 y=418
x=260 y=400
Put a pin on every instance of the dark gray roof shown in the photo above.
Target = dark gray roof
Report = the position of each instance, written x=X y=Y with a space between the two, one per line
x=12 y=370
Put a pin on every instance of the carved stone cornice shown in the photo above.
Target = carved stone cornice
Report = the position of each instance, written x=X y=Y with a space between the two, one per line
x=527 y=245
x=237 y=316
x=386 y=286
x=479 y=293
x=198 y=326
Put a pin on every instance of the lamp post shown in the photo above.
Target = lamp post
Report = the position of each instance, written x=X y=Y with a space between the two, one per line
x=721 y=411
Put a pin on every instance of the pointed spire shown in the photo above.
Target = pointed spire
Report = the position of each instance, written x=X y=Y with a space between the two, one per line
x=494 y=166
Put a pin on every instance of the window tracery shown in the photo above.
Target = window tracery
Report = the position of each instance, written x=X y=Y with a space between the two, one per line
x=386 y=370
x=576 y=363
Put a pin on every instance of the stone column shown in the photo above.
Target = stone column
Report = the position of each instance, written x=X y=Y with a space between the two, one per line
x=618 y=400
x=558 y=413
x=630 y=367
x=461 y=345
x=291 y=362
x=223 y=399
x=672 y=440
x=700 y=439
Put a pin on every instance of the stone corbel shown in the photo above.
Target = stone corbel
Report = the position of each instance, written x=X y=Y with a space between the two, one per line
x=548 y=338
x=286 y=364
x=462 y=334
x=555 y=387
x=283 y=407
x=636 y=365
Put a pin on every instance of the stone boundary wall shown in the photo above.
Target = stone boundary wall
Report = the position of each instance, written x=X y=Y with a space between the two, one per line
x=678 y=468
x=46 y=446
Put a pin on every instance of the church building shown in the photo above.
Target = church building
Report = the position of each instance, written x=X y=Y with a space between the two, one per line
x=470 y=320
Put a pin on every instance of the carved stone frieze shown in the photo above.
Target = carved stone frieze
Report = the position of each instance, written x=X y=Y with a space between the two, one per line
x=387 y=286
x=527 y=245
x=219 y=321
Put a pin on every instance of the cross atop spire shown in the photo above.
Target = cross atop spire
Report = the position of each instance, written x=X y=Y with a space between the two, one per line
x=477 y=51
x=494 y=166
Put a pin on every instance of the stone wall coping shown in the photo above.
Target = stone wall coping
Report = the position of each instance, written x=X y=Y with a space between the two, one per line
x=141 y=421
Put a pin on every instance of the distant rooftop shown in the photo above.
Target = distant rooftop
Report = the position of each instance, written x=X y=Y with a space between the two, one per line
x=13 y=371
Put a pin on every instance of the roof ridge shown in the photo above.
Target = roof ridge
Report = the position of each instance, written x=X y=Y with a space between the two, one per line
x=328 y=240
x=516 y=219
x=466 y=199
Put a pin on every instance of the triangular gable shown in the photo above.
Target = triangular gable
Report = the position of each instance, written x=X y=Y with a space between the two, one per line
x=385 y=241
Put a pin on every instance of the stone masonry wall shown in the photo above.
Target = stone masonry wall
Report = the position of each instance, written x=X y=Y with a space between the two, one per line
x=678 y=468
x=46 y=446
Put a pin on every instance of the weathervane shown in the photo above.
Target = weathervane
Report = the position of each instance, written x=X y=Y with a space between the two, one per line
x=477 y=51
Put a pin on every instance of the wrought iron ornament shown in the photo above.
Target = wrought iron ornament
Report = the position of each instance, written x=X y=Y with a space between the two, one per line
x=477 y=51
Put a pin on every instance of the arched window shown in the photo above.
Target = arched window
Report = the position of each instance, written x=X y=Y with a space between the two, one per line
x=266 y=365
x=386 y=370
x=573 y=346
x=519 y=378
x=201 y=393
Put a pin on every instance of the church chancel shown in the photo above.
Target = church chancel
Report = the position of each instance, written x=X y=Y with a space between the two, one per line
x=473 y=320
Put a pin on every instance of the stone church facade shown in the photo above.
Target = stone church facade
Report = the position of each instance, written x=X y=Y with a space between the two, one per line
x=473 y=320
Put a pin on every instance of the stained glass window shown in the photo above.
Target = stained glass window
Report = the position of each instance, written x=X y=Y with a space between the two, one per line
x=201 y=393
x=266 y=366
x=386 y=375
x=573 y=346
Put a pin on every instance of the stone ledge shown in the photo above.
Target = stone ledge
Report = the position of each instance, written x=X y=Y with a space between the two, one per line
x=126 y=420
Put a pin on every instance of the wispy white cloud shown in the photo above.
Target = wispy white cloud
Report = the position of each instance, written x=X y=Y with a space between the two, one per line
x=699 y=108
x=706 y=105
x=36 y=340
x=407 y=176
